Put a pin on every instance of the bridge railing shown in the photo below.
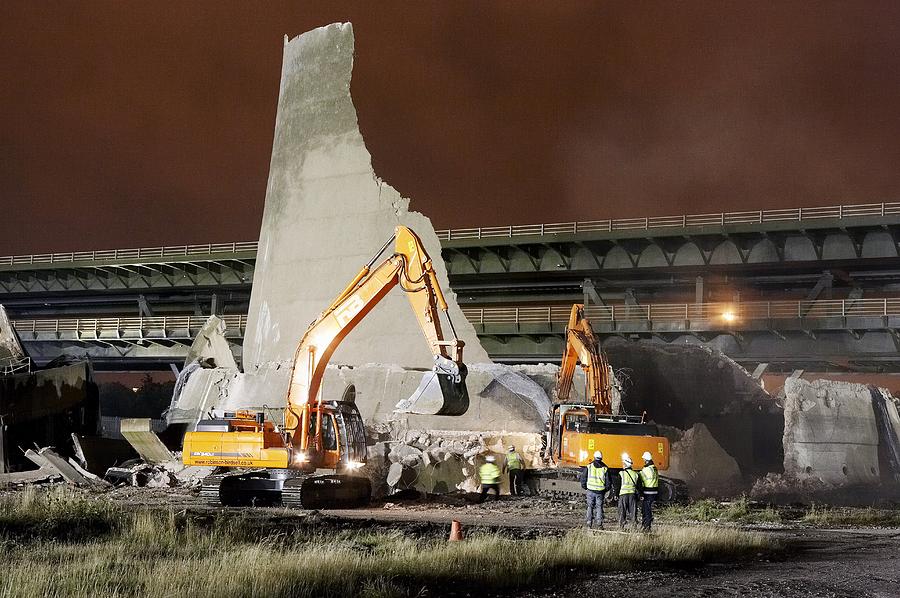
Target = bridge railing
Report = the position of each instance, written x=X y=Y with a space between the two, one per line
x=557 y=228
x=111 y=327
x=727 y=313
x=107 y=255
x=685 y=221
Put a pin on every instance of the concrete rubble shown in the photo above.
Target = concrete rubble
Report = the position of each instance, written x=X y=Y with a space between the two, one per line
x=49 y=460
x=697 y=459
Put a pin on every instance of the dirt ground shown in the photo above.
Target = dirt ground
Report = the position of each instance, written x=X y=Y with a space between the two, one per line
x=852 y=562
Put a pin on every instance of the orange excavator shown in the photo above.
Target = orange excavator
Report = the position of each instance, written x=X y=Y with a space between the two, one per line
x=312 y=459
x=578 y=428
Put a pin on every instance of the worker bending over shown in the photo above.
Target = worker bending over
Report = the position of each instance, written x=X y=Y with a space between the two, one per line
x=489 y=474
x=515 y=465
x=649 y=490
x=628 y=493
x=595 y=481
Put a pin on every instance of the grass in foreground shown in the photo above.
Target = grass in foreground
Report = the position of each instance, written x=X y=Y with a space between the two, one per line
x=708 y=510
x=743 y=511
x=158 y=553
x=836 y=516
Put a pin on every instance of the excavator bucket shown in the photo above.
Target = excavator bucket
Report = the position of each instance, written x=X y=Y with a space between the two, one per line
x=442 y=391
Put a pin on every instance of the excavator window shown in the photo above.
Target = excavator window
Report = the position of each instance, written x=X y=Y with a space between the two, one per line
x=329 y=438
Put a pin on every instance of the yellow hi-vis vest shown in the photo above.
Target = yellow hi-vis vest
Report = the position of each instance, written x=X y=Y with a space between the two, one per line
x=629 y=479
x=489 y=474
x=650 y=477
x=596 y=477
x=513 y=460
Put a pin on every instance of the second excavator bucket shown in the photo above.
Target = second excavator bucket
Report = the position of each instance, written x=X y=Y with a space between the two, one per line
x=442 y=391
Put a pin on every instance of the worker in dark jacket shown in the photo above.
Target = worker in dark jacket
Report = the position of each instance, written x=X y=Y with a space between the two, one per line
x=595 y=481
x=628 y=493
x=649 y=490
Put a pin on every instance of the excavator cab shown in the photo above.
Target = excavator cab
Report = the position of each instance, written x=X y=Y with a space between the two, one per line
x=342 y=437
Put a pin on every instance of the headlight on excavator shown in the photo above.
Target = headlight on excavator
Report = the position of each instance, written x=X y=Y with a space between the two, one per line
x=300 y=458
x=354 y=464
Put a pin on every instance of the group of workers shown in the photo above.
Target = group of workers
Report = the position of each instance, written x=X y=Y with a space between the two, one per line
x=634 y=485
x=490 y=474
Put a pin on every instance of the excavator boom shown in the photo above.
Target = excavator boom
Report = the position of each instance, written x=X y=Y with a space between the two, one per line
x=320 y=435
x=582 y=347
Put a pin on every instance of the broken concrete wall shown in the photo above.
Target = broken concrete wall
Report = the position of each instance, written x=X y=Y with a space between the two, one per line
x=500 y=398
x=211 y=347
x=830 y=433
x=684 y=385
x=326 y=214
x=45 y=407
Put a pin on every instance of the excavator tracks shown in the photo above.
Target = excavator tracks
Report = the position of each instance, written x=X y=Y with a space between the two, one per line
x=301 y=491
x=336 y=491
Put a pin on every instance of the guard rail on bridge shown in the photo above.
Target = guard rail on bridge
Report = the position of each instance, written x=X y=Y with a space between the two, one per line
x=164 y=327
x=688 y=221
x=726 y=315
x=141 y=253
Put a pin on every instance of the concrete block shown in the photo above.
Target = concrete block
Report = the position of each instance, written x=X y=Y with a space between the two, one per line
x=139 y=434
x=830 y=432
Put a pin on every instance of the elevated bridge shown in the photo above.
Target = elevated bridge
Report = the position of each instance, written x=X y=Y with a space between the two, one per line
x=658 y=278
x=823 y=335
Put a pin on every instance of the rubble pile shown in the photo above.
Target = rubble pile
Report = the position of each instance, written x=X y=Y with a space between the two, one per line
x=697 y=459
x=446 y=461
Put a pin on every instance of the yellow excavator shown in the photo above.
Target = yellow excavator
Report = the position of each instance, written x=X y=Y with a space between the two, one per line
x=312 y=458
x=578 y=428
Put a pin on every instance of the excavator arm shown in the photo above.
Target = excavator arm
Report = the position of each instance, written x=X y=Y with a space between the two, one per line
x=582 y=347
x=411 y=268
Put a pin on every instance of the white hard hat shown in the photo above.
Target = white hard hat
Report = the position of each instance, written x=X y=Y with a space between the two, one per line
x=626 y=459
x=489 y=459
x=647 y=456
x=598 y=455
x=512 y=448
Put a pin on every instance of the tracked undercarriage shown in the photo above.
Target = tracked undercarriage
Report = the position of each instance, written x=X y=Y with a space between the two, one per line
x=281 y=487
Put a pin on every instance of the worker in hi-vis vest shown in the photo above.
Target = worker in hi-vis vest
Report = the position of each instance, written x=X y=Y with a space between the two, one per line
x=628 y=489
x=489 y=475
x=595 y=481
x=515 y=465
x=649 y=490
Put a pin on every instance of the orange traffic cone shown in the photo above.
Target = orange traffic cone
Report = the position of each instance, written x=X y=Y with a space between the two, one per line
x=455 y=531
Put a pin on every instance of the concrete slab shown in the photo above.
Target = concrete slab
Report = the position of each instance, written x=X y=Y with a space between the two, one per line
x=211 y=346
x=140 y=435
x=34 y=476
x=48 y=459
